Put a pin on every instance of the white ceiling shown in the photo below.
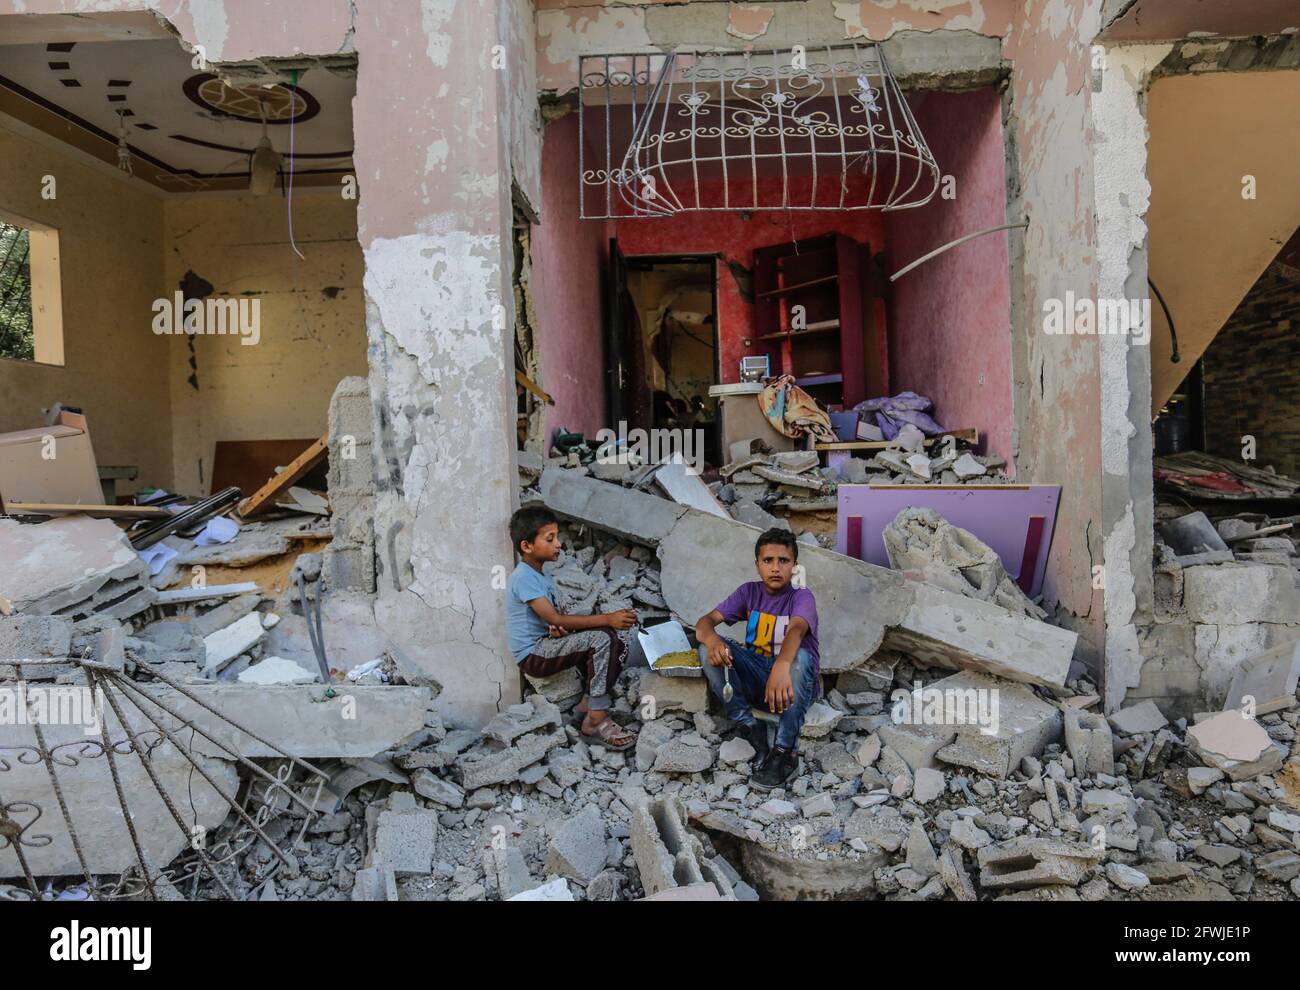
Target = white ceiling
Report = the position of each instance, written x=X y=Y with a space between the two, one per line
x=183 y=125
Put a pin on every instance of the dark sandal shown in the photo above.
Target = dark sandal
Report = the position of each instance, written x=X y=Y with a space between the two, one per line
x=607 y=730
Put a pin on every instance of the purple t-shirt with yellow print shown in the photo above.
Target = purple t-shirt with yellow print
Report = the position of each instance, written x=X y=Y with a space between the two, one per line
x=767 y=616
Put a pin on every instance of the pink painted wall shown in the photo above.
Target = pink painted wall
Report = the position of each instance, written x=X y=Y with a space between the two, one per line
x=569 y=256
x=950 y=319
x=735 y=238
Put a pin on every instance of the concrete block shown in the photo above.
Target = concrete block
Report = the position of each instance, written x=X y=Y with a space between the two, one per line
x=667 y=856
x=951 y=868
x=1235 y=744
x=1269 y=678
x=1237 y=593
x=680 y=755
x=916 y=744
x=506 y=872
x=691 y=892
x=1016 y=722
x=577 y=849
x=1139 y=718
x=682 y=694
x=1025 y=862
x=375 y=883
x=406 y=837
x=1221 y=650
x=1088 y=738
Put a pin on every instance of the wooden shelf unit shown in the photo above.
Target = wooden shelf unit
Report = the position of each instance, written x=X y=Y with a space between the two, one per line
x=814 y=318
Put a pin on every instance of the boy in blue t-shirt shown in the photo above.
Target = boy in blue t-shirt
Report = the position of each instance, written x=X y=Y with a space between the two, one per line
x=778 y=666
x=545 y=641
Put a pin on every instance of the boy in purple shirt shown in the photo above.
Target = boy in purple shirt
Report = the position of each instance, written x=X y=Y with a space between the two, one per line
x=777 y=667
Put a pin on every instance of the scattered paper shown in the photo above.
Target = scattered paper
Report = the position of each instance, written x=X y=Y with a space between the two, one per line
x=218 y=530
x=157 y=557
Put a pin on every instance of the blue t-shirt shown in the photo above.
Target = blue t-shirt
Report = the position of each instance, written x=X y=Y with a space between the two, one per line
x=526 y=629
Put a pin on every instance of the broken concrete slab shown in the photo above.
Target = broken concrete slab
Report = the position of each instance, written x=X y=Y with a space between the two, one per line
x=276 y=670
x=631 y=515
x=1024 y=862
x=997 y=723
x=1137 y=719
x=960 y=633
x=506 y=872
x=860 y=606
x=73 y=566
x=503 y=766
x=1269 y=679
x=1234 y=743
x=519 y=720
x=925 y=546
x=358 y=722
x=224 y=645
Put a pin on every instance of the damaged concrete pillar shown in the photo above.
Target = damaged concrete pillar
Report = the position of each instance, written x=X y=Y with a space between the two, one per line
x=434 y=221
x=349 y=560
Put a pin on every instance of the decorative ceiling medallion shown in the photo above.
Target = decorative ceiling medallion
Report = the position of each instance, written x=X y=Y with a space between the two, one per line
x=280 y=104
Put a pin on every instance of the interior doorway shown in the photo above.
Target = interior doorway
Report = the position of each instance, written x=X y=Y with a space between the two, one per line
x=664 y=337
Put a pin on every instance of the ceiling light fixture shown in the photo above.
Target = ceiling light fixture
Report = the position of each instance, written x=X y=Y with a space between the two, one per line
x=265 y=164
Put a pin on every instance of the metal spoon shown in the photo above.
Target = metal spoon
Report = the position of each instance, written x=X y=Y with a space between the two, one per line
x=726 y=687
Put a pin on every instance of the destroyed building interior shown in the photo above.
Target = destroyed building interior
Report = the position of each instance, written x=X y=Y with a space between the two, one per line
x=294 y=317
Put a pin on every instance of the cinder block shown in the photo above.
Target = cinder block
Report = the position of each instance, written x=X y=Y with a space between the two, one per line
x=1237 y=593
x=1025 y=862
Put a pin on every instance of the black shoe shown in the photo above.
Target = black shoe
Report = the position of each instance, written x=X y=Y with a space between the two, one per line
x=776 y=771
x=756 y=735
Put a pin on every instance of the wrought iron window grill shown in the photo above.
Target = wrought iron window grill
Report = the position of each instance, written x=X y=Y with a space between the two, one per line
x=824 y=128
x=145 y=735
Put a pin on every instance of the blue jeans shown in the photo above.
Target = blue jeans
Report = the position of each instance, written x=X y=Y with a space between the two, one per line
x=749 y=673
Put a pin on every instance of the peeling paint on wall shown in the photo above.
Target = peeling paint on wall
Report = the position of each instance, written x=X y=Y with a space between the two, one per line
x=748 y=21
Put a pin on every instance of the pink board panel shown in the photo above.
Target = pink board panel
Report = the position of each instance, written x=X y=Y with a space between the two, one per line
x=1000 y=515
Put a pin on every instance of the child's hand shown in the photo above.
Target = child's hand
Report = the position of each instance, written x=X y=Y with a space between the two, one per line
x=555 y=631
x=780 y=689
x=624 y=618
x=719 y=653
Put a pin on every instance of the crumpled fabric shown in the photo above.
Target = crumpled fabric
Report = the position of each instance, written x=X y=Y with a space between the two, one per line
x=893 y=413
x=793 y=412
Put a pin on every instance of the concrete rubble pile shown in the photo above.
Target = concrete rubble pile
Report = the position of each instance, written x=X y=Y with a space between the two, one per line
x=1060 y=803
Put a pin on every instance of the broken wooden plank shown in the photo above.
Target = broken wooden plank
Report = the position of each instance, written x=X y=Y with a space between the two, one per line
x=277 y=486
x=971 y=437
x=94 y=511
x=524 y=381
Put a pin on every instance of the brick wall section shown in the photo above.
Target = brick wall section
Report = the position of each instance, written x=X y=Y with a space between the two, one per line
x=1252 y=374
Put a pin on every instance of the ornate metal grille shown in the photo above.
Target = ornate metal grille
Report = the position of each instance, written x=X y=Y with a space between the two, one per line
x=817 y=129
